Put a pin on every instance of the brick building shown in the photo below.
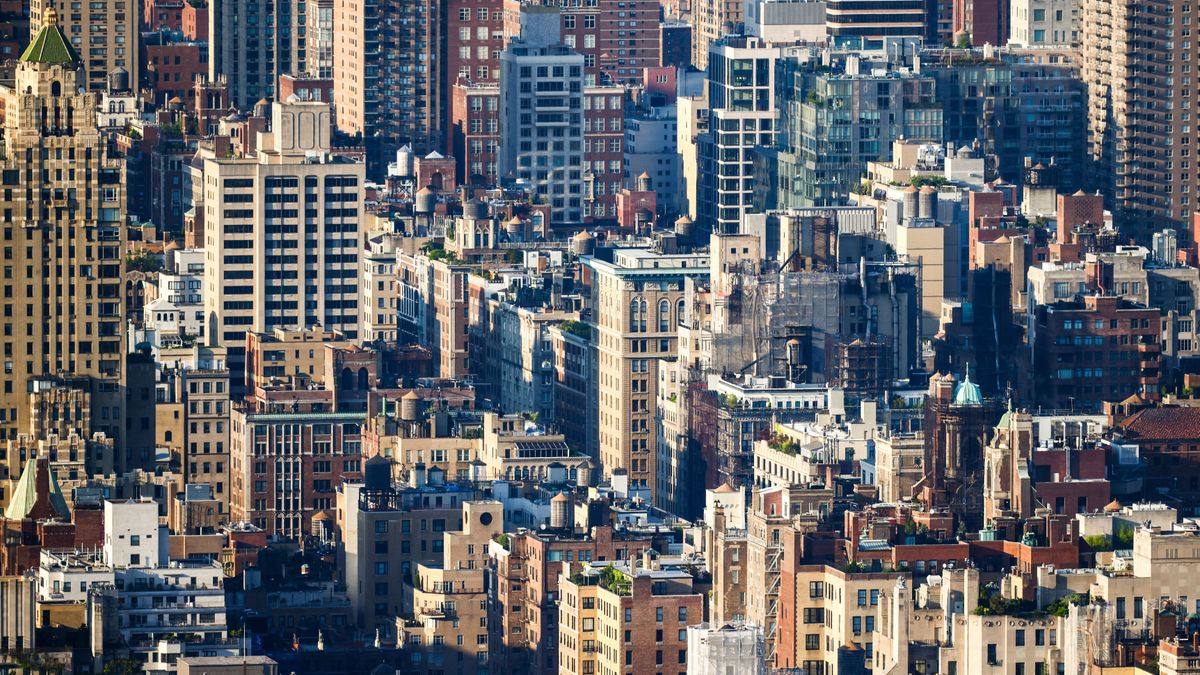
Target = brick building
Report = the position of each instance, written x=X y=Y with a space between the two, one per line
x=603 y=152
x=474 y=131
x=527 y=574
x=172 y=65
x=474 y=40
x=286 y=466
x=618 y=38
x=163 y=15
x=627 y=618
x=1094 y=349
x=194 y=23
x=1166 y=444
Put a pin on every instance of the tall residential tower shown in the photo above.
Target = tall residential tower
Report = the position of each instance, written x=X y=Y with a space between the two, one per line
x=63 y=207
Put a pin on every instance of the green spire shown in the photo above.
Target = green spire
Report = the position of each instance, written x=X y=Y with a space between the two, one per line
x=25 y=497
x=50 y=46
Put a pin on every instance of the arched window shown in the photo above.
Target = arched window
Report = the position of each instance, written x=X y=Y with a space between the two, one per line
x=664 y=315
x=681 y=311
x=636 y=307
x=644 y=311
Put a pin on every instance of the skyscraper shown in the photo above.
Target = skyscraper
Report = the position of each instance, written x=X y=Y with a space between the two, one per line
x=637 y=299
x=390 y=84
x=252 y=43
x=541 y=116
x=1139 y=127
x=63 y=207
x=282 y=233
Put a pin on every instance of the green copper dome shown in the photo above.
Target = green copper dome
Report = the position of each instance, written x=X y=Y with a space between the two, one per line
x=50 y=45
x=968 y=393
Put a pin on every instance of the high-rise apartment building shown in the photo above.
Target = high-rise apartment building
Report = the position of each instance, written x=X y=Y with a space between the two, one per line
x=389 y=78
x=866 y=24
x=618 y=38
x=1018 y=104
x=320 y=39
x=252 y=42
x=282 y=233
x=637 y=301
x=104 y=34
x=541 y=119
x=713 y=20
x=63 y=209
x=744 y=114
x=1139 y=127
x=835 y=122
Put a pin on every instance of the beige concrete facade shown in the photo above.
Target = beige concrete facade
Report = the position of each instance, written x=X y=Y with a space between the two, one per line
x=281 y=230
x=63 y=252
x=637 y=301
x=450 y=599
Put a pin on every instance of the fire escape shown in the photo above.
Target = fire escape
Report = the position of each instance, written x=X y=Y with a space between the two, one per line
x=774 y=554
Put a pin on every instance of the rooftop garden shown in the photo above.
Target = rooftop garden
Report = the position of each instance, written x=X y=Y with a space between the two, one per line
x=1062 y=606
x=993 y=603
x=577 y=328
x=143 y=262
x=1121 y=541
x=615 y=581
x=922 y=181
x=609 y=578
x=435 y=251
x=785 y=444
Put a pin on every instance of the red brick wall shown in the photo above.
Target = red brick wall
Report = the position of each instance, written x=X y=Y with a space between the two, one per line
x=195 y=22
x=644 y=629
x=89 y=528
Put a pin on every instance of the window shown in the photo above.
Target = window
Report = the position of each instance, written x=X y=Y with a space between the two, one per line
x=683 y=615
x=856 y=625
x=991 y=654
x=812 y=641
x=862 y=597
x=814 y=615
x=814 y=589
x=658 y=614
x=1020 y=637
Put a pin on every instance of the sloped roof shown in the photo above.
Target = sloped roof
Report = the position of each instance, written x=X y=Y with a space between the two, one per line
x=25 y=497
x=50 y=45
x=1162 y=424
